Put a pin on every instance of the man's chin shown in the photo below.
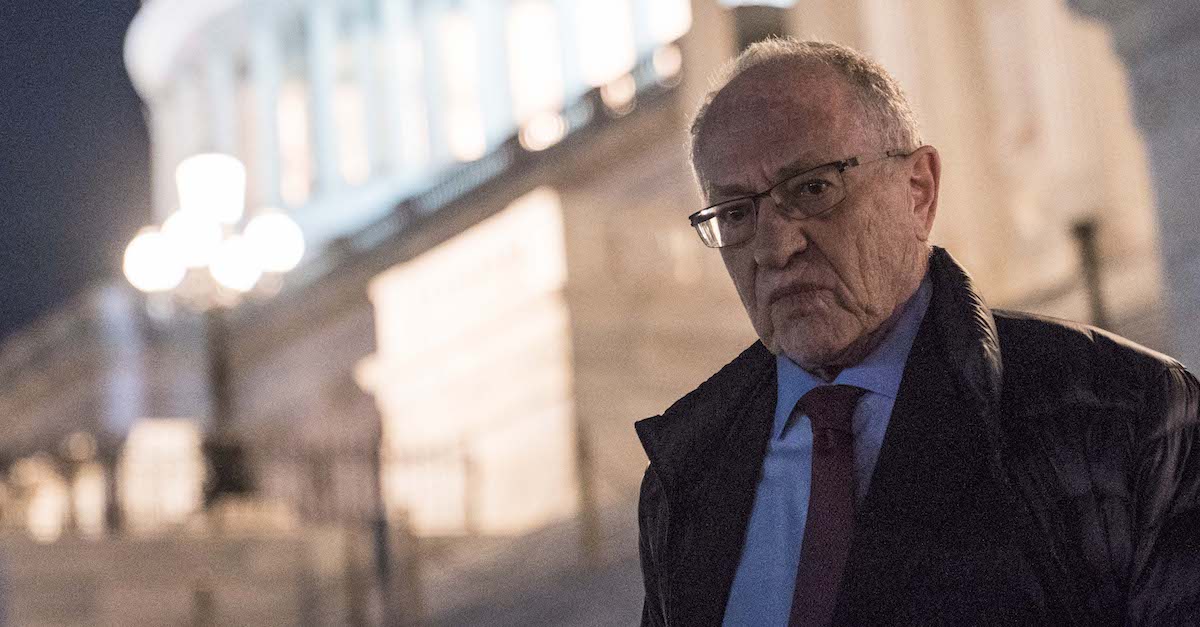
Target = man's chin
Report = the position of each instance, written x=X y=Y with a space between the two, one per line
x=807 y=354
x=811 y=362
x=804 y=348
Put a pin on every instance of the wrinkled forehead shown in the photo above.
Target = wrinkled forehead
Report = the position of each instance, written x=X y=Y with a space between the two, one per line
x=773 y=116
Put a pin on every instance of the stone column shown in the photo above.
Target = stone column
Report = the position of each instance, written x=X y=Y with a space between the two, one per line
x=568 y=22
x=266 y=67
x=361 y=38
x=1159 y=43
x=164 y=119
x=404 y=145
x=491 y=27
x=222 y=102
x=433 y=77
x=191 y=119
x=643 y=28
x=322 y=80
x=124 y=345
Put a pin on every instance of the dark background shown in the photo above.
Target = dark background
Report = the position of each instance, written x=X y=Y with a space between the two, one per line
x=74 y=152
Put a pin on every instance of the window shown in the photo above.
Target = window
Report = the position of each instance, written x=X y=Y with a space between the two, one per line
x=669 y=19
x=535 y=62
x=464 y=116
x=604 y=29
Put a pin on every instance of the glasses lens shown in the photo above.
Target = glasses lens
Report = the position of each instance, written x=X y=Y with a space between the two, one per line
x=810 y=193
x=730 y=223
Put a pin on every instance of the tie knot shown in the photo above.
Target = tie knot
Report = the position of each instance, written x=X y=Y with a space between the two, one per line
x=831 y=406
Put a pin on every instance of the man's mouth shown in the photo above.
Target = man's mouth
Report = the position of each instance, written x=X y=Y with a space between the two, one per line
x=804 y=290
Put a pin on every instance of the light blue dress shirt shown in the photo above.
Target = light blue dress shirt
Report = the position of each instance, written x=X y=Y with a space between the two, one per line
x=762 y=589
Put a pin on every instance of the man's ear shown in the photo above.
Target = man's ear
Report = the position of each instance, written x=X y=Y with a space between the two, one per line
x=924 y=180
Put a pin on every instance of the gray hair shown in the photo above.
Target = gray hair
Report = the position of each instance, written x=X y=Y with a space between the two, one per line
x=883 y=103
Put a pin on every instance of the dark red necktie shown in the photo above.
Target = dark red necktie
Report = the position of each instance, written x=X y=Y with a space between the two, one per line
x=830 y=518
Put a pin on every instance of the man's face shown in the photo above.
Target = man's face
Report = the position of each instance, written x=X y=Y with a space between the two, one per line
x=815 y=289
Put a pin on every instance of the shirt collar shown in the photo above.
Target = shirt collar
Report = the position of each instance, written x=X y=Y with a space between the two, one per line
x=879 y=373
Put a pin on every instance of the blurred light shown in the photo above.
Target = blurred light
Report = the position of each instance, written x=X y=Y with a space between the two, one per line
x=618 y=95
x=668 y=60
x=236 y=265
x=467 y=142
x=89 y=498
x=48 y=496
x=212 y=184
x=150 y=263
x=194 y=237
x=277 y=241
x=535 y=62
x=160 y=473
x=542 y=131
x=606 y=43
x=80 y=446
x=464 y=116
x=670 y=19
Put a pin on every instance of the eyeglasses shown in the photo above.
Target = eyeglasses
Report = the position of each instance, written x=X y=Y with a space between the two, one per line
x=801 y=196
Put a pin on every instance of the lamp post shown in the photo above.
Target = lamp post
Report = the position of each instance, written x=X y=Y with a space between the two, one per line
x=200 y=257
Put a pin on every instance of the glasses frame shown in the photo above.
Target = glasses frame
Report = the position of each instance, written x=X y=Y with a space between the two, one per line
x=842 y=165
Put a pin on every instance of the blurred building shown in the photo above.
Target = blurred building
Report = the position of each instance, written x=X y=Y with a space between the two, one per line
x=500 y=278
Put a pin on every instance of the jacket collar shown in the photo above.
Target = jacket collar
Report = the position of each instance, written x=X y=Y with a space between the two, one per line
x=969 y=345
x=681 y=442
x=966 y=331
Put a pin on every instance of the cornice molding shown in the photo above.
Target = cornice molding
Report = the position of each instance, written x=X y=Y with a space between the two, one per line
x=1144 y=27
x=164 y=30
x=1104 y=10
x=1166 y=90
x=1159 y=43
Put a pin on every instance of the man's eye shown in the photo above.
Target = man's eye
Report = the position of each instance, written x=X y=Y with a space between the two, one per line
x=733 y=215
x=812 y=187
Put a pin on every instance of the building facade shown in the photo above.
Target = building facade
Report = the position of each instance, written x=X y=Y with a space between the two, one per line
x=500 y=278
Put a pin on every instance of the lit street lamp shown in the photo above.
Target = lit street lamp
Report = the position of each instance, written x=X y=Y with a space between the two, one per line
x=200 y=257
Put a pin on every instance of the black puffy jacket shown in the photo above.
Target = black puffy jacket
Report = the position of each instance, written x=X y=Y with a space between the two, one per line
x=1034 y=472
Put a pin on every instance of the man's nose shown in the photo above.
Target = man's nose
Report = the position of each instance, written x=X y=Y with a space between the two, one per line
x=777 y=238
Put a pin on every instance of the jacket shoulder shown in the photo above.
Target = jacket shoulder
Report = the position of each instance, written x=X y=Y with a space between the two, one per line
x=1032 y=333
x=1056 y=366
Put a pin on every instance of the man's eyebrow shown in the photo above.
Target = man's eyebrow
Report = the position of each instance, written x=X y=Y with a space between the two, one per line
x=736 y=190
x=802 y=164
x=731 y=190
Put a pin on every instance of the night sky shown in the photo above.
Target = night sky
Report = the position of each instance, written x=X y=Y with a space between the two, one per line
x=74 y=153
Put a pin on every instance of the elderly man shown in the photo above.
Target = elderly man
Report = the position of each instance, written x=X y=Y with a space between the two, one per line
x=893 y=451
